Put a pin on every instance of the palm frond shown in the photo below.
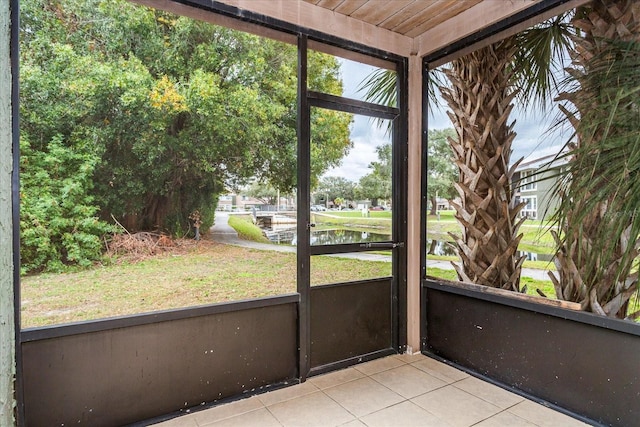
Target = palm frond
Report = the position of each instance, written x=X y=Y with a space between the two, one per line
x=599 y=210
x=381 y=87
x=435 y=82
x=540 y=59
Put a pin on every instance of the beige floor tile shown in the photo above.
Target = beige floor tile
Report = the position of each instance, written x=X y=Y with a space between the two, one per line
x=408 y=381
x=182 y=421
x=457 y=407
x=410 y=358
x=505 y=419
x=315 y=409
x=378 y=365
x=491 y=393
x=440 y=370
x=354 y=423
x=228 y=410
x=405 y=414
x=287 y=393
x=363 y=396
x=333 y=379
x=260 y=417
x=543 y=416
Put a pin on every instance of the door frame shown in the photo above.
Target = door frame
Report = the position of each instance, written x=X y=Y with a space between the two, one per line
x=306 y=100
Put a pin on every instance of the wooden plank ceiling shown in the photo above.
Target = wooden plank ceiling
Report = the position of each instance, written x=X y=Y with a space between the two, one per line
x=410 y=18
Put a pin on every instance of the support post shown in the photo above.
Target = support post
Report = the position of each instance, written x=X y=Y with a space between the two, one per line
x=7 y=295
x=413 y=204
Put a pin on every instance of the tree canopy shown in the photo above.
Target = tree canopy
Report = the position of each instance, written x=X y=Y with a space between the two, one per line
x=163 y=112
x=442 y=172
x=377 y=184
x=337 y=187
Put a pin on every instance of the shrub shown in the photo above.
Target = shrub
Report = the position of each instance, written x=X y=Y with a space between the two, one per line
x=58 y=221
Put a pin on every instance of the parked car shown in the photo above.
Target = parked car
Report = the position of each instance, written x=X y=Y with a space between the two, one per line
x=376 y=208
x=318 y=208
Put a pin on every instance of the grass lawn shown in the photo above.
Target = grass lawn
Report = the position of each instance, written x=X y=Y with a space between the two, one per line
x=195 y=274
x=536 y=237
x=354 y=219
x=203 y=273
x=206 y=273
x=246 y=229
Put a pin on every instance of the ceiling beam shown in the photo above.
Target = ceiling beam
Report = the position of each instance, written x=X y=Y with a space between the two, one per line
x=461 y=29
x=468 y=22
x=192 y=10
x=310 y=16
x=562 y=7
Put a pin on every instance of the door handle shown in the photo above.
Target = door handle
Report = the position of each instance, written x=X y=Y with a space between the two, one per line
x=382 y=245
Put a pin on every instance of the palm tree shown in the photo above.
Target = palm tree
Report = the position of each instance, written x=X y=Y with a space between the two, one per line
x=480 y=98
x=482 y=87
x=600 y=194
x=598 y=215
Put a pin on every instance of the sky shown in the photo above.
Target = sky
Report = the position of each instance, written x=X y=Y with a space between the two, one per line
x=536 y=135
x=366 y=135
x=534 y=138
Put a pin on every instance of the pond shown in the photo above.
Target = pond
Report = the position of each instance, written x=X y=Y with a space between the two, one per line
x=341 y=236
x=287 y=236
x=440 y=247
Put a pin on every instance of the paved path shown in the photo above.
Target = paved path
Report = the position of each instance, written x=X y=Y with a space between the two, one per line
x=222 y=232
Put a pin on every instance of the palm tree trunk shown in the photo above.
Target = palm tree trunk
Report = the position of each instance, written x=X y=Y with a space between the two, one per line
x=480 y=97
x=593 y=260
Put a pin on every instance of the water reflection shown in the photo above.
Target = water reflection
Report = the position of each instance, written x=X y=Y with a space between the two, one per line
x=341 y=236
x=287 y=236
x=326 y=237
x=440 y=247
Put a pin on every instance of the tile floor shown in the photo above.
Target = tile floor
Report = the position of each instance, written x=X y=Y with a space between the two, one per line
x=397 y=390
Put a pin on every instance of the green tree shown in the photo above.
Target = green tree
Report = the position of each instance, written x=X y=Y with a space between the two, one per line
x=262 y=191
x=330 y=141
x=337 y=187
x=442 y=172
x=377 y=184
x=175 y=109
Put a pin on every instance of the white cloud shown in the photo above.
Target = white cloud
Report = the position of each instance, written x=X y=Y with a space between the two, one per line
x=353 y=74
x=365 y=133
x=366 y=136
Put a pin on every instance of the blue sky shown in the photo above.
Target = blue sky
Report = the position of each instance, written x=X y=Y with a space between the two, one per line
x=534 y=139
